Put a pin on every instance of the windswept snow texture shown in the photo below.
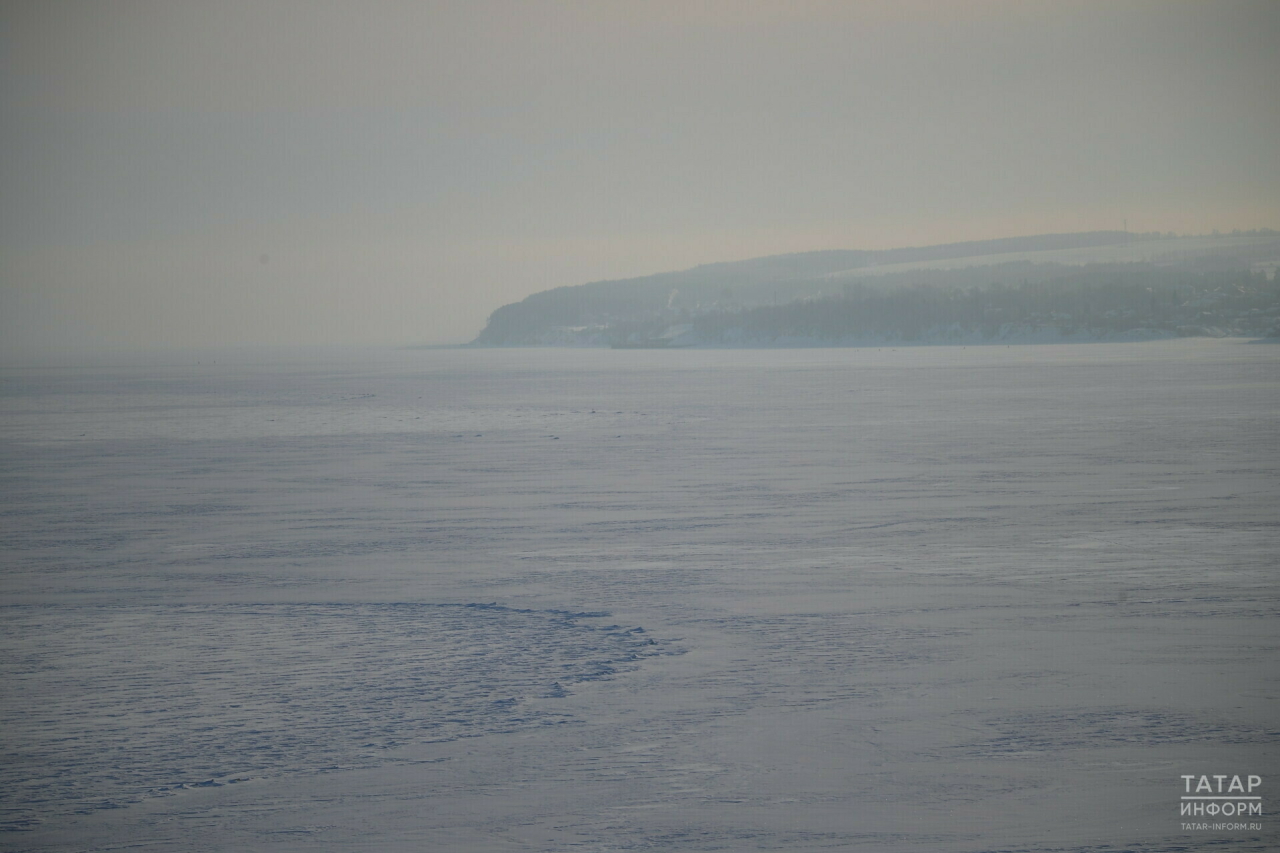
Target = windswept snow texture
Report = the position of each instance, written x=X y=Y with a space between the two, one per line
x=109 y=704
x=982 y=599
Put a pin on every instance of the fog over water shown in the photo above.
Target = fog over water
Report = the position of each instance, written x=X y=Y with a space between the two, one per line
x=706 y=559
x=303 y=172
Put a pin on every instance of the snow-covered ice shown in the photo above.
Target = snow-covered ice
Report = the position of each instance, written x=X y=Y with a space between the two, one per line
x=943 y=598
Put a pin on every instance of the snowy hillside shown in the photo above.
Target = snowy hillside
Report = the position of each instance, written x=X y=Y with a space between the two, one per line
x=679 y=308
x=1099 y=286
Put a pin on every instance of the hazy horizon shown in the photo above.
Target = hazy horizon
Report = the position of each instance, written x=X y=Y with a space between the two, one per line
x=390 y=173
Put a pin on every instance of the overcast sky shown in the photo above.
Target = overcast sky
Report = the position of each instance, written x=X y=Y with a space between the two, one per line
x=300 y=172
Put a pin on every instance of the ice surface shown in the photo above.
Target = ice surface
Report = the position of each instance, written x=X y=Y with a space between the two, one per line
x=913 y=599
x=110 y=704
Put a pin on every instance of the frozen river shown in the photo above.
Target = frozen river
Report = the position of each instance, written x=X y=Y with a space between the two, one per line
x=939 y=598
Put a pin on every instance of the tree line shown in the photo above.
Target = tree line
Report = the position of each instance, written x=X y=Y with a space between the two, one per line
x=1097 y=299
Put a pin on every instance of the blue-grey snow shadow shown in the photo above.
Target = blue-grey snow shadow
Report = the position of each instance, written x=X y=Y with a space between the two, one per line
x=106 y=705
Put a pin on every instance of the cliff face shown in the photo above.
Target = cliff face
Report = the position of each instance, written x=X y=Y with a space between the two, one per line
x=1019 y=288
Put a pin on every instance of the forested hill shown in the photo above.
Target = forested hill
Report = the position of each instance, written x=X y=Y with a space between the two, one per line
x=1094 y=285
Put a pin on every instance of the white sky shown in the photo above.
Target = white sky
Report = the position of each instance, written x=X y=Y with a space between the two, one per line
x=310 y=172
